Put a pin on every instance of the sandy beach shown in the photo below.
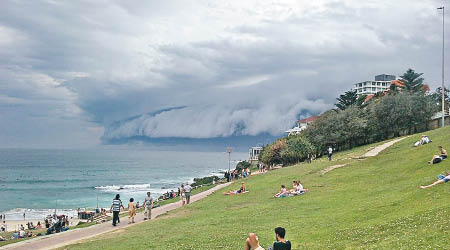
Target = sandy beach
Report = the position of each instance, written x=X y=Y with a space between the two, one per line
x=13 y=225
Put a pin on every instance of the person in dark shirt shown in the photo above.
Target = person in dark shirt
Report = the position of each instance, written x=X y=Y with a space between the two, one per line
x=252 y=242
x=281 y=243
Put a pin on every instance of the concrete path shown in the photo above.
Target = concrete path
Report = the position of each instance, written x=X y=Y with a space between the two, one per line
x=371 y=153
x=76 y=235
x=377 y=150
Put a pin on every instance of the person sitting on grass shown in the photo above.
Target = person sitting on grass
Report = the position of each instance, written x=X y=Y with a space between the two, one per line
x=441 y=179
x=422 y=141
x=239 y=191
x=294 y=187
x=438 y=158
x=299 y=189
x=283 y=192
x=252 y=242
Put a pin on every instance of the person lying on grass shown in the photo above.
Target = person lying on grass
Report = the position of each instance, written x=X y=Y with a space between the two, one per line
x=239 y=191
x=441 y=179
x=438 y=158
x=252 y=242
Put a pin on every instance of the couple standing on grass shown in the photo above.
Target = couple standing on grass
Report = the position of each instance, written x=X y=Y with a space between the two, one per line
x=117 y=204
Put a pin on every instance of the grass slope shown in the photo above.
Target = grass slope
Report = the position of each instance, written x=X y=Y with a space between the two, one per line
x=370 y=204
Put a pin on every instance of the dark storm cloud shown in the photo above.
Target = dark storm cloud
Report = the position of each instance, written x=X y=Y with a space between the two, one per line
x=243 y=68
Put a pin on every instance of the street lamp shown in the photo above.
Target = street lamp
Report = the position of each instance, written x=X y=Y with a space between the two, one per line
x=229 y=150
x=443 y=87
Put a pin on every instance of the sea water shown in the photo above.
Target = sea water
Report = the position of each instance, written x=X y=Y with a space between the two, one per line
x=36 y=182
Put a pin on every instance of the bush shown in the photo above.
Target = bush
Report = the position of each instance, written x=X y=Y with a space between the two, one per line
x=204 y=180
x=243 y=165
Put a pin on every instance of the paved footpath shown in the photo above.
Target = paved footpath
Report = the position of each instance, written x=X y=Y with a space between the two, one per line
x=370 y=153
x=76 y=235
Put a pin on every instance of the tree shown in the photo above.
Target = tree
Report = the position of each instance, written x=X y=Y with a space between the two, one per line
x=271 y=153
x=412 y=81
x=297 y=149
x=437 y=98
x=348 y=99
x=396 y=114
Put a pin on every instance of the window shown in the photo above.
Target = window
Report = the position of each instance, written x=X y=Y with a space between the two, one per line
x=374 y=89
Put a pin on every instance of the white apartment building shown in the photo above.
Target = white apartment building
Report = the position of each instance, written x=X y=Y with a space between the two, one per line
x=253 y=153
x=381 y=83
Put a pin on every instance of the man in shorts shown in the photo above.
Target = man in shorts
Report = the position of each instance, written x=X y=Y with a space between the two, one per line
x=148 y=205
x=441 y=179
x=187 y=192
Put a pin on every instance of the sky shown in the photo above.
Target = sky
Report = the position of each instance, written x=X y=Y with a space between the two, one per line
x=77 y=74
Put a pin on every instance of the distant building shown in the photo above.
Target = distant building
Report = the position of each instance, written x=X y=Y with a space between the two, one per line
x=381 y=83
x=301 y=125
x=253 y=153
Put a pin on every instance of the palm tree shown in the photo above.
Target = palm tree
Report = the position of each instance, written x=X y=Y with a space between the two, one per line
x=348 y=99
x=412 y=81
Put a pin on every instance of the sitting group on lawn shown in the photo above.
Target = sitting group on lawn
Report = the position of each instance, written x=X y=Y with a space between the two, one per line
x=423 y=140
x=442 y=178
x=297 y=189
x=252 y=242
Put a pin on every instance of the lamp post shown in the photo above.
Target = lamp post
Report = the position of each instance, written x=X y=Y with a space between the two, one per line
x=229 y=150
x=443 y=87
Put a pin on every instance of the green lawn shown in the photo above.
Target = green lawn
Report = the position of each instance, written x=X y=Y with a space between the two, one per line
x=368 y=204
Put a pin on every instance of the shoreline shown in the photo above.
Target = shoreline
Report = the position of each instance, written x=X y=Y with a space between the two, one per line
x=73 y=236
x=14 y=224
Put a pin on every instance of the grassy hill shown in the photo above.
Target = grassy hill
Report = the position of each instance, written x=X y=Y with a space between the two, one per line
x=374 y=203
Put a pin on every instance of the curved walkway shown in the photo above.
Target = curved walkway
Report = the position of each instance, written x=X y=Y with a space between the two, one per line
x=76 y=235
x=374 y=152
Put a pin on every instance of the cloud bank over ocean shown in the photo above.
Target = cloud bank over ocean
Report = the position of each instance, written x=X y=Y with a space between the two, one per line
x=85 y=73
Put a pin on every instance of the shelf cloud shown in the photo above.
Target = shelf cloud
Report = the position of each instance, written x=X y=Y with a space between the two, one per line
x=82 y=73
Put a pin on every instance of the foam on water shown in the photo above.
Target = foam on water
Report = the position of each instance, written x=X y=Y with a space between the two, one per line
x=124 y=188
x=68 y=179
x=36 y=214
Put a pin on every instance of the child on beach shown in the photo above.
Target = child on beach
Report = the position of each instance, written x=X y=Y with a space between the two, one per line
x=131 y=211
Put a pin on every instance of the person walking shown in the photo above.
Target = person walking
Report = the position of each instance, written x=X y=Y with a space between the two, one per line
x=187 y=192
x=330 y=153
x=182 y=195
x=148 y=205
x=131 y=211
x=115 y=208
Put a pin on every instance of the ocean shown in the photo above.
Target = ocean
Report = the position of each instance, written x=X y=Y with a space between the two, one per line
x=37 y=181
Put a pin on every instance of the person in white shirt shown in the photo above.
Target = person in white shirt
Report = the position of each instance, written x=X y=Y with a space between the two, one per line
x=148 y=205
x=187 y=193
x=330 y=153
